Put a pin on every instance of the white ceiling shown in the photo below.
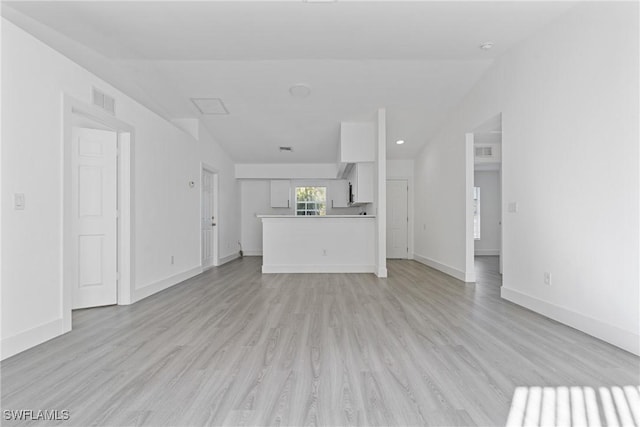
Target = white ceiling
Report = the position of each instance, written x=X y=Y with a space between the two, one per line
x=416 y=58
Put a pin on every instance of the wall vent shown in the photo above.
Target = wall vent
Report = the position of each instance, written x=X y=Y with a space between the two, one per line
x=104 y=101
x=286 y=148
x=484 y=151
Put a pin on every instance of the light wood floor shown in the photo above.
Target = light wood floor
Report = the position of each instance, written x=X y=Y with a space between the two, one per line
x=234 y=347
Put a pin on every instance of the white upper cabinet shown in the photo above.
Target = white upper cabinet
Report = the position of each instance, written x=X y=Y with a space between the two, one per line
x=280 y=193
x=338 y=193
x=361 y=180
x=357 y=142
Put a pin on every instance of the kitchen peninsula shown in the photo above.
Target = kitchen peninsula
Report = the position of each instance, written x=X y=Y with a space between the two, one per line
x=318 y=244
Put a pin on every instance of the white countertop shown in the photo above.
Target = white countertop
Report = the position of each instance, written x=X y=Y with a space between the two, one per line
x=315 y=216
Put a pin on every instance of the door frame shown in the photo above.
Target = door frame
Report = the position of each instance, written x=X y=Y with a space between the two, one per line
x=469 y=246
x=125 y=194
x=409 y=181
x=410 y=210
x=216 y=213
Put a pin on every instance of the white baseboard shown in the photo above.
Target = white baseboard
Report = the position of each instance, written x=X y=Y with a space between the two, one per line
x=451 y=271
x=626 y=340
x=252 y=253
x=228 y=258
x=267 y=269
x=487 y=252
x=31 y=337
x=381 y=272
x=161 y=285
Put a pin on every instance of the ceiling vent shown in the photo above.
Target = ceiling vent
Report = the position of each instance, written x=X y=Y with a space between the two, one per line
x=104 y=101
x=484 y=151
x=286 y=149
x=210 y=106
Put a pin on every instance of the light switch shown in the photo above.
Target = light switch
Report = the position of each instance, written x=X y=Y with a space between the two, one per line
x=512 y=207
x=18 y=201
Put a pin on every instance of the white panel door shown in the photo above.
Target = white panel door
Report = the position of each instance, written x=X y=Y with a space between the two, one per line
x=94 y=223
x=397 y=219
x=208 y=219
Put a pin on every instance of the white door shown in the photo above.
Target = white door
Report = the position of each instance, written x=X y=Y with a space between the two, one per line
x=94 y=221
x=397 y=219
x=208 y=218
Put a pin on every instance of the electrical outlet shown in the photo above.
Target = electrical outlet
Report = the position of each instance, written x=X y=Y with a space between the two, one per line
x=171 y=259
x=18 y=201
x=547 y=278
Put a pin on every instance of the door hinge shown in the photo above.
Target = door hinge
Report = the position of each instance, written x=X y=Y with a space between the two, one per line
x=117 y=275
x=117 y=214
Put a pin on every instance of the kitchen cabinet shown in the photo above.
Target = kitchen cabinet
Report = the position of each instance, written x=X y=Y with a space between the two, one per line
x=357 y=142
x=361 y=180
x=357 y=145
x=338 y=190
x=280 y=193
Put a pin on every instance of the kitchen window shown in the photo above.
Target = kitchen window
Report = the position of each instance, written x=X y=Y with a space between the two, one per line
x=311 y=201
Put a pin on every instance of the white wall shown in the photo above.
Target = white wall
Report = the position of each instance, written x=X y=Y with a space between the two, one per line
x=489 y=243
x=255 y=196
x=167 y=211
x=286 y=170
x=399 y=168
x=569 y=102
x=439 y=176
x=330 y=245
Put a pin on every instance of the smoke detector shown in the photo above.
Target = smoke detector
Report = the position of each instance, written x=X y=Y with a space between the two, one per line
x=300 y=90
x=486 y=45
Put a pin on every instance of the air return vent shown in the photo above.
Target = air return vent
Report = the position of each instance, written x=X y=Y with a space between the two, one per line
x=210 y=106
x=484 y=151
x=104 y=101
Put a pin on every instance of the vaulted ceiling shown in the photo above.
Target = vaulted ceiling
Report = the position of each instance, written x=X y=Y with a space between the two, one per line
x=417 y=59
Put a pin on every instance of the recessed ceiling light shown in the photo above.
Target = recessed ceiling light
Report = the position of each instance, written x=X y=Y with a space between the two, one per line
x=400 y=141
x=300 y=90
x=210 y=105
x=486 y=45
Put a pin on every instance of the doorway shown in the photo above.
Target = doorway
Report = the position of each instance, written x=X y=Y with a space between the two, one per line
x=209 y=218
x=397 y=218
x=484 y=193
x=97 y=254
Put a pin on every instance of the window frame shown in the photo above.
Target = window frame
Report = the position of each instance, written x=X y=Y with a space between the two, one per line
x=320 y=209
